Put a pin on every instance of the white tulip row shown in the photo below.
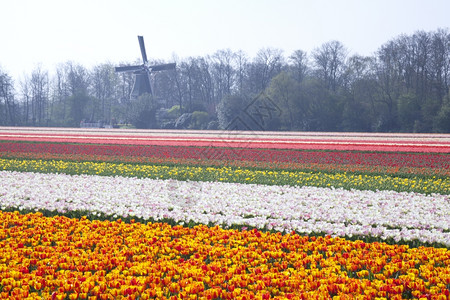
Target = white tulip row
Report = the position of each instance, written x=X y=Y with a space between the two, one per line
x=337 y=212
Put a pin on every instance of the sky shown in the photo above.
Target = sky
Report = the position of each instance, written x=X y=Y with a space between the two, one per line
x=46 y=33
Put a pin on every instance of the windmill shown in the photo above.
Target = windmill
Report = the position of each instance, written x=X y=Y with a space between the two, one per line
x=142 y=82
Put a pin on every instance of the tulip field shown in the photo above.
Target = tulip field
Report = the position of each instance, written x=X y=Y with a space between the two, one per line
x=165 y=214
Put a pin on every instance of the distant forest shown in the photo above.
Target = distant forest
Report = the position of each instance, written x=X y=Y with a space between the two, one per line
x=403 y=87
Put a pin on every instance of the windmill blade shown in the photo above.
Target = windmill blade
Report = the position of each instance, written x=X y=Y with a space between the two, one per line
x=128 y=69
x=163 y=67
x=141 y=44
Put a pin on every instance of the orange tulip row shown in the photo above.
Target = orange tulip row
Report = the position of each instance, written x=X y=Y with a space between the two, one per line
x=60 y=257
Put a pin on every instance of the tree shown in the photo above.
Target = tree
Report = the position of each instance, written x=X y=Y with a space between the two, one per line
x=408 y=111
x=241 y=70
x=268 y=63
x=299 y=65
x=199 y=120
x=103 y=85
x=189 y=84
x=440 y=63
x=359 y=109
x=329 y=60
x=8 y=110
x=321 y=111
x=166 y=87
x=231 y=113
x=143 y=112
x=389 y=77
x=59 y=102
x=39 y=89
x=223 y=72
x=403 y=87
x=78 y=80
x=442 y=120
x=25 y=90
x=71 y=95
x=284 y=91
x=76 y=112
x=205 y=84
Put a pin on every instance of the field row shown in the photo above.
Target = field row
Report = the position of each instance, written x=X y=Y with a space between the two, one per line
x=115 y=214
x=62 y=258
x=372 y=136
x=406 y=165
x=263 y=140
x=425 y=185
x=382 y=215
x=391 y=159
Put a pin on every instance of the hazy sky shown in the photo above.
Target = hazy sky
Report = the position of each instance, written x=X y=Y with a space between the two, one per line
x=90 y=32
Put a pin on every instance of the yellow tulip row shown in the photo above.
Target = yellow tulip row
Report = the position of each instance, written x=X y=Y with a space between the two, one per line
x=64 y=258
x=280 y=177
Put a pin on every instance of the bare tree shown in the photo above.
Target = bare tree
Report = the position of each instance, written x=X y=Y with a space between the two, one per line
x=440 y=63
x=359 y=103
x=206 y=82
x=165 y=86
x=103 y=82
x=268 y=63
x=7 y=105
x=299 y=64
x=39 y=88
x=329 y=60
x=196 y=82
x=26 y=96
x=224 y=73
x=389 y=78
x=60 y=94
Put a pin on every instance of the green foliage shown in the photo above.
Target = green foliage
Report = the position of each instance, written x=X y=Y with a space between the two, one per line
x=174 y=112
x=408 y=111
x=146 y=119
x=442 y=121
x=285 y=92
x=197 y=106
x=199 y=120
x=231 y=113
x=321 y=107
x=429 y=111
x=355 y=117
x=77 y=109
x=144 y=112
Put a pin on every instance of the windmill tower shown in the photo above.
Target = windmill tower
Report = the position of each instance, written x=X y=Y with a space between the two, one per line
x=142 y=81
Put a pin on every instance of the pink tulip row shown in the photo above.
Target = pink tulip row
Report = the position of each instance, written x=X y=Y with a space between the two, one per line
x=344 y=142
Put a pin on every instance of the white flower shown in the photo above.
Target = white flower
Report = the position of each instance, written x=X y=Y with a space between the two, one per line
x=338 y=212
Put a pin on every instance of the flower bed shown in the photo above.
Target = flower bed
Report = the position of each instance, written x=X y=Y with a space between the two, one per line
x=277 y=215
x=345 y=180
x=369 y=215
x=414 y=160
x=395 y=163
x=261 y=140
x=61 y=258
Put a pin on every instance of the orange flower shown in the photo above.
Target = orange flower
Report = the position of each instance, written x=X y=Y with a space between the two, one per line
x=110 y=260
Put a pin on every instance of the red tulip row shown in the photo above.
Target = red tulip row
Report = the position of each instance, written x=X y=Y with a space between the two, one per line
x=265 y=155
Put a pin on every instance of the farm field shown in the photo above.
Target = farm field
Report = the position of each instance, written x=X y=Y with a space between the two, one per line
x=143 y=214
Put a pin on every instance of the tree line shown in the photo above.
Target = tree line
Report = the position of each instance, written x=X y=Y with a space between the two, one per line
x=402 y=87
